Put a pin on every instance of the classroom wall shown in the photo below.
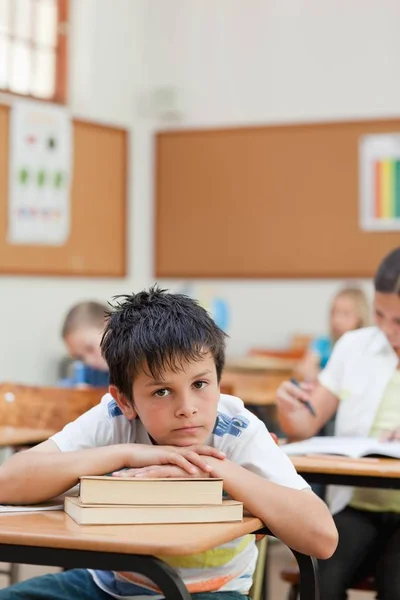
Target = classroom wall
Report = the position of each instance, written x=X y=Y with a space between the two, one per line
x=227 y=63
x=103 y=84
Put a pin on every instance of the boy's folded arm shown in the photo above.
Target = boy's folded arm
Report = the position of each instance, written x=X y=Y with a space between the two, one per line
x=297 y=517
x=43 y=472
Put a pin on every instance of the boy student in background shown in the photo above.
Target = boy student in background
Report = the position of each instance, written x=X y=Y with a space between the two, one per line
x=82 y=331
x=349 y=310
x=165 y=417
x=362 y=382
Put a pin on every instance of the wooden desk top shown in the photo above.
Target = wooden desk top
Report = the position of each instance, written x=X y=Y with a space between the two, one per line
x=339 y=465
x=23 y=436
x=254 y=387
x=55 y=529
x=263 y=364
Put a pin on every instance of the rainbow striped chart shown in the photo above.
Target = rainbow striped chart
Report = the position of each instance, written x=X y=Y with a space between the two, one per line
x=387 y=189
x=380 y=182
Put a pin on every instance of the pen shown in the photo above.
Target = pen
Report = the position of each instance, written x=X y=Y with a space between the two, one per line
x=305 y=402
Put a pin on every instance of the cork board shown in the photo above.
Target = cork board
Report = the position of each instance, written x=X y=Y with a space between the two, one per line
x=264 y=202
x=97 y=243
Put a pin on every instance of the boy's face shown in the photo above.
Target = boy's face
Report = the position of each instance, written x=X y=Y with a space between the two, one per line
x=181 y=408
x=84 y=344
x=343 y=316
x=387 y=317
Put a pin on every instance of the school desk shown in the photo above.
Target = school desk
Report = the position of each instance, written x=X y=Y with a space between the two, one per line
x=53 y=538
x=361 y=472
x=23 y=436
x=263 y=364
x=253 y=387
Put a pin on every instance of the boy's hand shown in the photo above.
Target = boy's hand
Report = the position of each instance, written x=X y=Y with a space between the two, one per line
x=160 y=472
x=188 y=458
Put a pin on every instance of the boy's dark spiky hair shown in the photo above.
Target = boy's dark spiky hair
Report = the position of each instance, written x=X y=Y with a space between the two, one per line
x=156 y=330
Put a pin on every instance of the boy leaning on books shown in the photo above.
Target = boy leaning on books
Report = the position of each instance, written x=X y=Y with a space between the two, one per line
x=165 y=417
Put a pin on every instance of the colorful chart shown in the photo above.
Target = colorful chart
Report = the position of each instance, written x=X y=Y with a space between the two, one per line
x=379 y=182
x=387 y=189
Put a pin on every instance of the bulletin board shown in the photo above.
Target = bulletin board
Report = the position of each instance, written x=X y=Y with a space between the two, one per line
x=264 y=202
x=97 y=243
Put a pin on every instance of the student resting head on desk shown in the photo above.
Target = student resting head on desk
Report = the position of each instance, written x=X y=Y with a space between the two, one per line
x=82 y=331
x=349 y=310
x=165 y=417
x=362 y=382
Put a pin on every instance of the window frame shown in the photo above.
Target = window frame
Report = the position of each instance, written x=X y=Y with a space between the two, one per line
x=61 y=66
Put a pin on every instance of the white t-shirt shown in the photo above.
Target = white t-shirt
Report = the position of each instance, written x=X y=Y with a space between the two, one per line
x=244 y=439
x=361 y=365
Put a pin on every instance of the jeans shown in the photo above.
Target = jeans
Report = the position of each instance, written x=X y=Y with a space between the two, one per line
x=78 y=584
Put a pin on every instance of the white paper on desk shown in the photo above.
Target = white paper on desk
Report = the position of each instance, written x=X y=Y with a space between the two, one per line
x=56 y=503
x=8 y=508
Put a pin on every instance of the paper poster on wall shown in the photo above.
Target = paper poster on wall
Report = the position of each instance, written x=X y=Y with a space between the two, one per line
x=40 y=174
x=379 y=157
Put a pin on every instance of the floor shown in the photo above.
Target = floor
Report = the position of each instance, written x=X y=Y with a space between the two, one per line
x=280 y=557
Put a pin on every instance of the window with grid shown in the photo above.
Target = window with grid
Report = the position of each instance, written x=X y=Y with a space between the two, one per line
x=33 y=48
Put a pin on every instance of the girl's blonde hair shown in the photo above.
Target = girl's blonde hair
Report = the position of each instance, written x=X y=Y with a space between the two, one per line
x=361 y=304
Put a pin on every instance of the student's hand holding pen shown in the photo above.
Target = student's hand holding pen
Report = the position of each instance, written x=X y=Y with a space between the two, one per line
x=390 y=435
x=293 y=397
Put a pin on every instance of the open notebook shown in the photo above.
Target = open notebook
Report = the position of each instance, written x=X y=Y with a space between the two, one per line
x=344 y=446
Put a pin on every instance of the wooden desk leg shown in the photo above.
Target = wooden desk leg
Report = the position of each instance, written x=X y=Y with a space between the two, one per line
x=14 y=570
x=264 y=590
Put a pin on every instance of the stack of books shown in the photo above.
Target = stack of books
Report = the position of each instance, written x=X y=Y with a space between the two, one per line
x=110 y=500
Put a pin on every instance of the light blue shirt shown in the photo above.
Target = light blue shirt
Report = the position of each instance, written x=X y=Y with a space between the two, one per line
x=322 y=346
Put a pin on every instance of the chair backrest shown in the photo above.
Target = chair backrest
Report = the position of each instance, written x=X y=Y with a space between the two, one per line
x=44 y=407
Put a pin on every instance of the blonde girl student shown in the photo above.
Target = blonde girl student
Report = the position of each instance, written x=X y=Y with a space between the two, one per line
x=349 y=310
